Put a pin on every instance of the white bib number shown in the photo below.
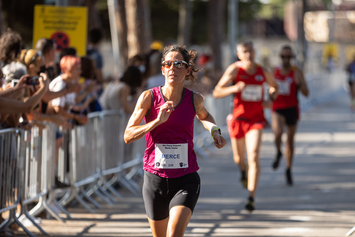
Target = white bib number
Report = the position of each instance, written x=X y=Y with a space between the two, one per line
x=252 y=93
x=171 y=156
x=284 y=87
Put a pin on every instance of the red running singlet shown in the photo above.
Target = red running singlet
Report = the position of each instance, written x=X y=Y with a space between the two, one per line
x=248 y=102
x=287 y=97
x=169 y=152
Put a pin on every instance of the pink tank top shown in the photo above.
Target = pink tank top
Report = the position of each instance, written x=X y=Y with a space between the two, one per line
x=169 y=152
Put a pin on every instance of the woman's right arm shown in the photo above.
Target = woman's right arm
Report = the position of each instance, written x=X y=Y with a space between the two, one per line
x=134 y=130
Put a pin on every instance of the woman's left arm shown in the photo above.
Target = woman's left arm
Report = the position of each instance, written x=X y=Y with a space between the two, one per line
x=208 y=121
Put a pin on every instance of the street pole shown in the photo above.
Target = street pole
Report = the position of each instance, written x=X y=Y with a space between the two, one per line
x=332 y=22
x=303 y=37
x=233 y=27
x=112 y=9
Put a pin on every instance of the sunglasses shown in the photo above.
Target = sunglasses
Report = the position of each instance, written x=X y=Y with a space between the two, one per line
x=177 y=64
x=285 y=56
x=34 y=57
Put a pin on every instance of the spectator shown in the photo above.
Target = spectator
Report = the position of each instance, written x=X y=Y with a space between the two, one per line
x=139 y=62
x=88 y=71
x=10 y=50
x=13 y=71
x=157 y=78
x=47 y=49
x=117 y=93
x=10 y=47
x=95 y=39
x=351 y=81
x=71 y=70
x=70 y=51
x=142 y=63
x=21 y=106
x=33 y=60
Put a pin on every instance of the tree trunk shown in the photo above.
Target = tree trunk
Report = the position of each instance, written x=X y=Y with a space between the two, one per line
x=185 y=17
x=147 y=26
x=122 y=31
x=216 y=14
x=2 y=27
x=93 y=15
x=138 y=27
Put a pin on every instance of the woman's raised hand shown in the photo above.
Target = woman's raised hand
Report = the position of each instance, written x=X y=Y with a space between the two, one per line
x=165 y=111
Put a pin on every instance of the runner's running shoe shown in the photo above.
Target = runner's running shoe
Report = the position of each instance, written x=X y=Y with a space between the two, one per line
x=250 y=206
x=289 y=181
x=244 y=179
x=276 y=162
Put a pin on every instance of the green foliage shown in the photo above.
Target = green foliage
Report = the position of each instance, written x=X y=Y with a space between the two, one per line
x=18 y=15
x=248 y=9
x=164 y=16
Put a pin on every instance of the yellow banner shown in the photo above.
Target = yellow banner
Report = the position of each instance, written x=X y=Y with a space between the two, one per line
x=66 y=25
x=330 y=51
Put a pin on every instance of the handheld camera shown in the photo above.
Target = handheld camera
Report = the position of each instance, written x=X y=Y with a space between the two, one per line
x=32 y=80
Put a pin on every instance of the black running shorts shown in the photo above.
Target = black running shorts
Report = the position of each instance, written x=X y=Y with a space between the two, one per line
x=161 y=194
x=291 y=115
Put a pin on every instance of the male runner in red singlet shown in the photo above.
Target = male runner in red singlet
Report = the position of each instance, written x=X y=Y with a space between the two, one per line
x=285 y=110
x=245 y=80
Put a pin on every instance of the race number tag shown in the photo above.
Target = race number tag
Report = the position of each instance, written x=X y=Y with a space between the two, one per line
x=252 y=93
x=284 y=87
x=171 y=156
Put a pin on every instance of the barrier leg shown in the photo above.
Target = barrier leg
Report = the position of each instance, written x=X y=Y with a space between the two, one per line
x=33 y=222
x=350 y=232
x=98 y=193
x=68 y=197
x=62 y=209
x=134 y=171
x=128 y=185
x=52 y=212
x=82 y=202
x=108 y=185
x=112 y=199
x=96 y=204
x=21 y=225
x=38 y=208
x=5 y=223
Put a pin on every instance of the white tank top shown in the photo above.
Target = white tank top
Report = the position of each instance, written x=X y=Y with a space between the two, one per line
x=110 y=99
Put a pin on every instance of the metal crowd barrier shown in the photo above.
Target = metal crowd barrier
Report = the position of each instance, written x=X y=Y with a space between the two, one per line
x=10 y=164
x=93 y=158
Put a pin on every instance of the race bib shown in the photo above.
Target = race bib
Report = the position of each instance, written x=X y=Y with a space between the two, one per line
x=171 y=156
x=284 y=87
x=252 y=93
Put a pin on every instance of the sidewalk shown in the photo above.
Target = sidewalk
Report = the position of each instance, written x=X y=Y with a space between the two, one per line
x=321 y=202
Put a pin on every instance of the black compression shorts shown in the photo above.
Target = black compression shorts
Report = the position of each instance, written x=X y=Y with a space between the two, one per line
x=291 y=115
x=161 y=194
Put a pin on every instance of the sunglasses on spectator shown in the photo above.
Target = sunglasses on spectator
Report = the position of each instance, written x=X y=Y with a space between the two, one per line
x=177 y=64
x=285 y=56
x=34 y=57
